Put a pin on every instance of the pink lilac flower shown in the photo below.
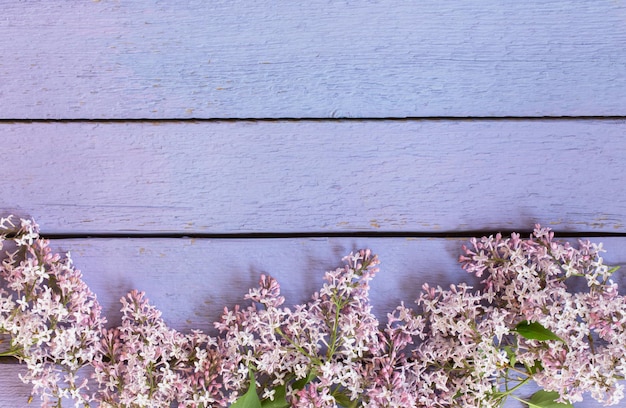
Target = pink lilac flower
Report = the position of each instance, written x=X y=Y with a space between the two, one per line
x=53 y=318
x=325 y=339
x=528 y=279
x=459 y=347
x=393 y=378
x=144 y=363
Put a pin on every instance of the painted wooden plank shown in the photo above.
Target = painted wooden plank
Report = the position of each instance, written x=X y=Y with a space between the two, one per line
x=13 y=392
x=209 y=274
x=191 y=280
x=316 y=176
x=268 y=59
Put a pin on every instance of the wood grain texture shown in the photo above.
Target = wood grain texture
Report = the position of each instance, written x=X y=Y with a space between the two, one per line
x=269 y=59
x=190 y=280
x=312 y=176
x=13 y=392
x=221 y=59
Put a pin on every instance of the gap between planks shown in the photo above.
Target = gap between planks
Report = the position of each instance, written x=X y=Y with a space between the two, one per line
x=344 y=234
x=321 y=119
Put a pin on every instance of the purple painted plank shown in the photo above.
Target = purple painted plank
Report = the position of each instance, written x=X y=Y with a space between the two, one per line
x=311 y=176
x=211 y=274
x=241 y=59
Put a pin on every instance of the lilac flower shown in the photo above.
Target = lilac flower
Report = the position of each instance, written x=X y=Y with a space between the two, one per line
x=314 y=351
x=51 y=315
x=527 y=279
x=143 y=363
x=459 y=347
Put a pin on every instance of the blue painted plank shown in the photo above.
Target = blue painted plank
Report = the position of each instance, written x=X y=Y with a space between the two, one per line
x=310 y=176
x=211 y=274
x=278 y=59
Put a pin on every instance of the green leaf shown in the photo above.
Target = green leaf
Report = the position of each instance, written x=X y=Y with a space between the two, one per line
x=280 y=398
x=250 y=399
x=546 y=399
x=301 y=383
x=535 y=331
x=511 y=355
x=345 y=401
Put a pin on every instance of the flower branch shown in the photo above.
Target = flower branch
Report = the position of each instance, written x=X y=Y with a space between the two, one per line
x=458 y=347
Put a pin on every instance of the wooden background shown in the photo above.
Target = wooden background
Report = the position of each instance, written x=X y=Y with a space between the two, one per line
x=184 y=148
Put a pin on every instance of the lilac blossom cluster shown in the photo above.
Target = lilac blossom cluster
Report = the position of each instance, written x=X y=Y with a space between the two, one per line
x=528 y=279
x=52 y=317
x=55 y=326
x=458 y=347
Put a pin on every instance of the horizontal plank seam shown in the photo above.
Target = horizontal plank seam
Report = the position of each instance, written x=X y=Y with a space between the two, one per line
x=343 y=234
x=318 y=119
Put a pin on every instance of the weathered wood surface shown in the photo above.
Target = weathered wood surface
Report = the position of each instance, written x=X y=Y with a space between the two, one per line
x=316 y=176
x=327 y=60
x=269 y=59
x=210 y=274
